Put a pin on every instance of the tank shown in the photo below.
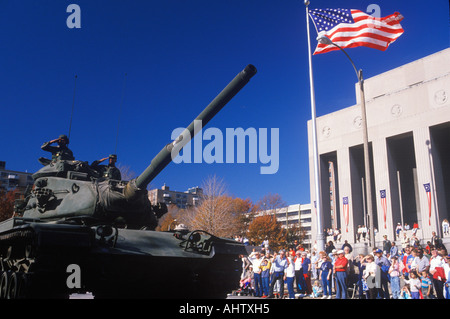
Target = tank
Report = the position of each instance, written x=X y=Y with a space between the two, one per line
x=77 y=232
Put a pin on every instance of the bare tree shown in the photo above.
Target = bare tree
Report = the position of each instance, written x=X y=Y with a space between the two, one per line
x=270 y=203
x=126 y=172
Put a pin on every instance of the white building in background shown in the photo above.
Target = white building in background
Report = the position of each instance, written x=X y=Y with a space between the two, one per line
x=11 y=180
x=298 y=214
x=187 y=199
x=408 y=120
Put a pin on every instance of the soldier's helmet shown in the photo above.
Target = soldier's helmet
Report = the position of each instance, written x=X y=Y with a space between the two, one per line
x=64 y=137
x=114 y=156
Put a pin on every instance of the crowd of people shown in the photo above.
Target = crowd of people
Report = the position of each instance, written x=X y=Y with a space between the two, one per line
x=406 y=271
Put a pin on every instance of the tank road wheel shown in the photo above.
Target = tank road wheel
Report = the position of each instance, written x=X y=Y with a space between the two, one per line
x=13 y=286
x=16 y=285
x=4 y=281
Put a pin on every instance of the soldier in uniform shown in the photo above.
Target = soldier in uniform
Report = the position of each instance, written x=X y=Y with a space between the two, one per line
x=61 y=151
x=109 y=171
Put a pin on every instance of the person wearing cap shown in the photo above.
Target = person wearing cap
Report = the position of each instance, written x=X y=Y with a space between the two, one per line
x=256 y=259
x=279 y=264
x=384 y=265
x=60 y=151
x=109 y=171
x=371 y=275
x=340 y=269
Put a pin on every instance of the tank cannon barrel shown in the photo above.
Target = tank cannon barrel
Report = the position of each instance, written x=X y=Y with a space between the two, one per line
x=171 y=150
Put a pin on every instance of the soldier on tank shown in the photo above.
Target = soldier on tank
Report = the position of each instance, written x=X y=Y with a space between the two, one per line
x=109 y=171
x=61 y=151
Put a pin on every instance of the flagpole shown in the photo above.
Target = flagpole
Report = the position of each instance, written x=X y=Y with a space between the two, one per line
x=366 y=159
x=320 y=235
x=359 y=74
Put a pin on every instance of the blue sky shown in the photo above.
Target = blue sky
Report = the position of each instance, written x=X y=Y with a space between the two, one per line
x=178 y=55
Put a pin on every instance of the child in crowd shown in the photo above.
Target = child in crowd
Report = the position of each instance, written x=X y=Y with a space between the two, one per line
x=426 y=285
x=317 y=290
x=415 y=285
x=394 y=273
x=405 y=294
x=265 y=274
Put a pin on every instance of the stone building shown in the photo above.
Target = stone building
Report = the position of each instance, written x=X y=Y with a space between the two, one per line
x=408 y=122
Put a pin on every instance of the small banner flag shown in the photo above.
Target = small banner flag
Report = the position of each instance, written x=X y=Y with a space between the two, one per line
x=345 y=201
x=428 y=191
x=349 y=28
x=315 y=208
x=383 y=204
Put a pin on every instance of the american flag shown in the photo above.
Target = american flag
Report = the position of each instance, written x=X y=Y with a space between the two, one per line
x=349 y=28
x=383 y=204
x=428 y=191
x=345 y=202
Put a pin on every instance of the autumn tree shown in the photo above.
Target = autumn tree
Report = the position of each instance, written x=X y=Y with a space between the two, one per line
x=243 y=210
x=266 y=226
x=7 y=204
x=215 y=212
x=167 y=222
x=294 y=232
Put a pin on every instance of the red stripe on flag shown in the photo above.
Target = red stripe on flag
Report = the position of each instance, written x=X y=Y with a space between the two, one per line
x=376 y=33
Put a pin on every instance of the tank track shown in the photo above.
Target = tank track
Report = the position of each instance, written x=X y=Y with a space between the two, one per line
x=15 y=262
x=28 y=272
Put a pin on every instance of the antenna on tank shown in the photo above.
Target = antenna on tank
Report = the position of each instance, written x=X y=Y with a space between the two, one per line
x=120 y=112
x=73 y=104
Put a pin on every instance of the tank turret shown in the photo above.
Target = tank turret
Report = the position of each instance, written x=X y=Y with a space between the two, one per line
x=74 y=216
x=68 y=189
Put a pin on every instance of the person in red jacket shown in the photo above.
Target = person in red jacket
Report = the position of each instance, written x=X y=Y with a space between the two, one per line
x=340 y=270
